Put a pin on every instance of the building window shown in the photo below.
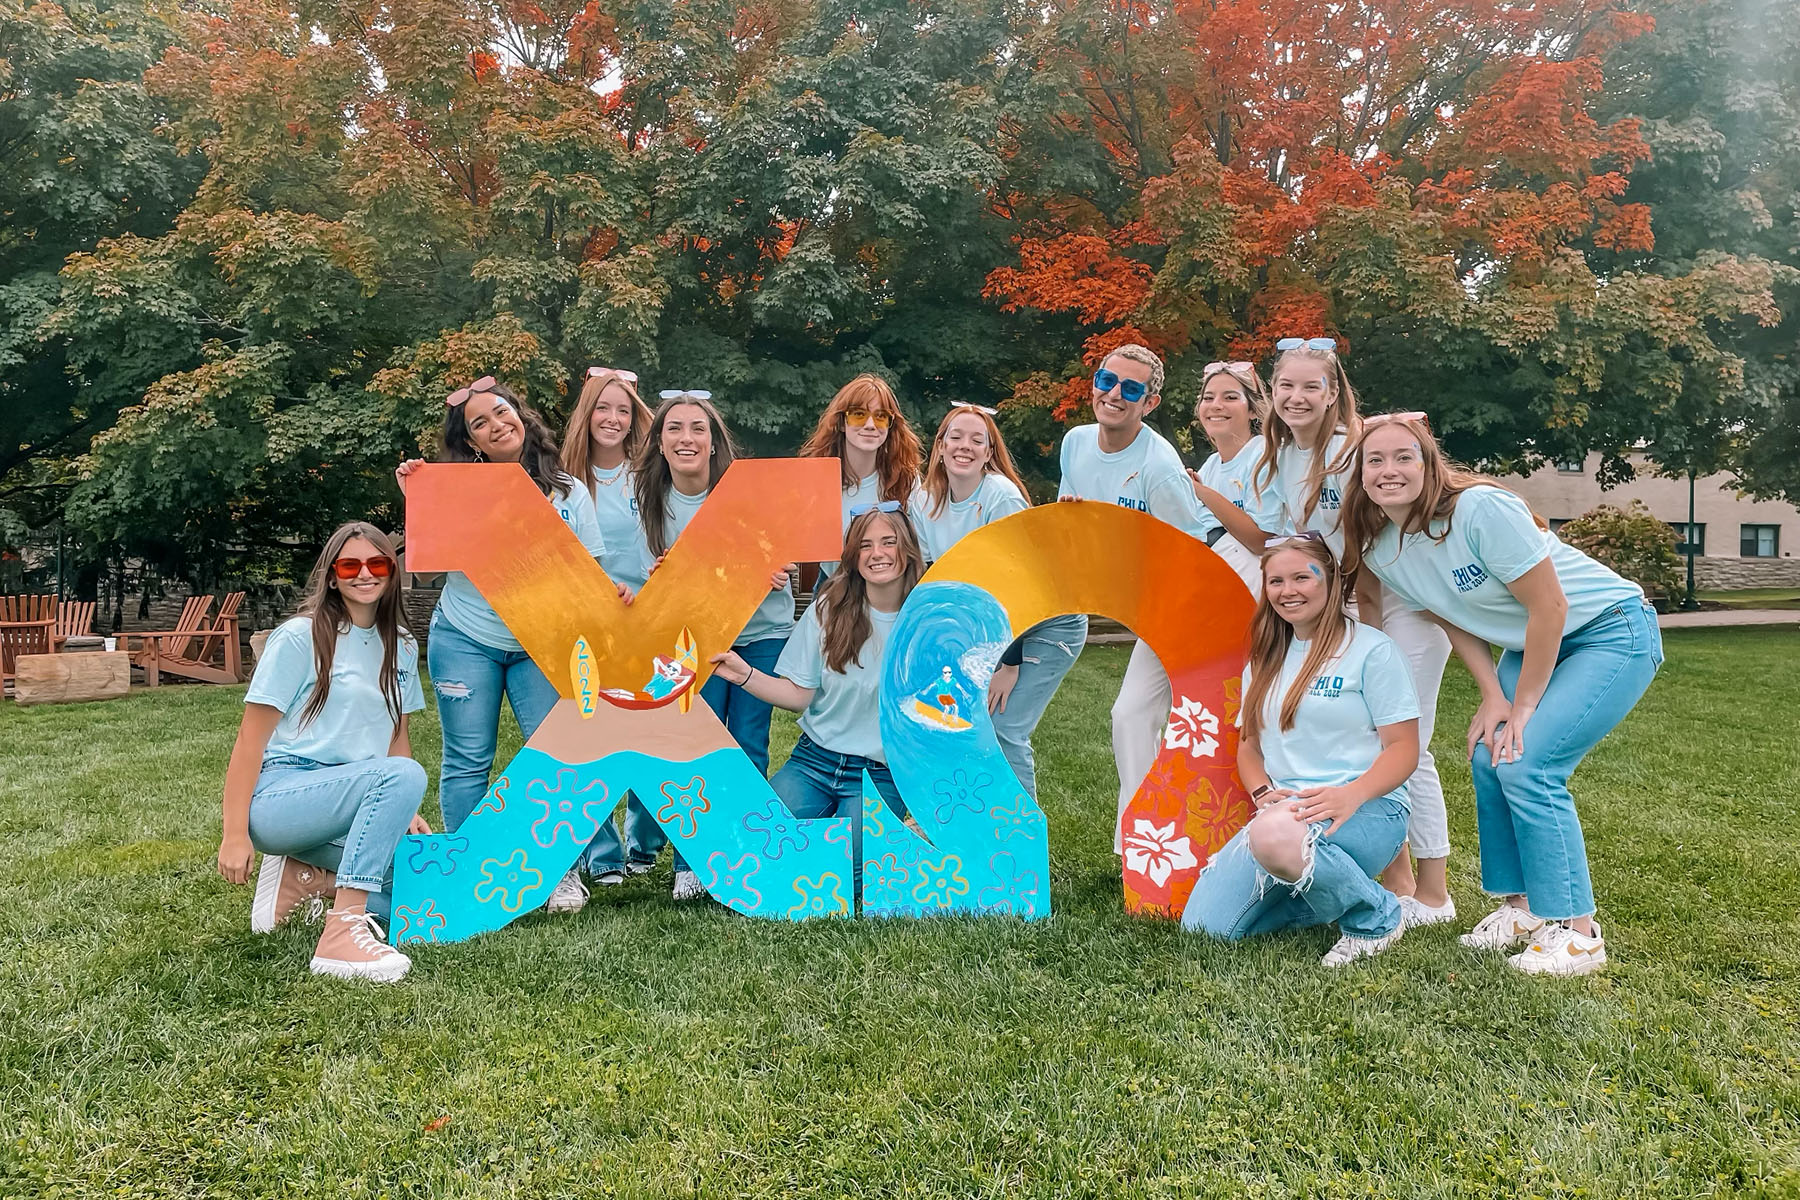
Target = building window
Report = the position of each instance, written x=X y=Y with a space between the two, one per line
x=1759 y=541
x=1571 y=466
x=1689 y=536
x=1556 y=523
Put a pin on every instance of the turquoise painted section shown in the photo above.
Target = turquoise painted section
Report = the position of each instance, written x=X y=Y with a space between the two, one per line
x=752 y=854
x=986 y=847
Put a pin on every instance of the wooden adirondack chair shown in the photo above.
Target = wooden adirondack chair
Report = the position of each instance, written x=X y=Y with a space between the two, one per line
x=27 y=626
x=189 y=650
x=75 y=618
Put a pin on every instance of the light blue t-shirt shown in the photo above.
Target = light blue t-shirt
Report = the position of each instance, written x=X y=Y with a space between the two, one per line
x=627 y=556
x=1334 y=739
x=1146 y=475
x=1232 y=479
x=355 y=724
x=463 y=606
x=774 y=617
x=994 y=497
x=1280 y=506
x=1492 y=541
x=844 y=716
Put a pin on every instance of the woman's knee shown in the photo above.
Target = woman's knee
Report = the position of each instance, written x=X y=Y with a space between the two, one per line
x=404 y=776
x=1278 y=842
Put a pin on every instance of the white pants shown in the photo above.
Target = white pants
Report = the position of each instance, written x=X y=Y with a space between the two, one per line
x=1427 y=649
x=1142 y=709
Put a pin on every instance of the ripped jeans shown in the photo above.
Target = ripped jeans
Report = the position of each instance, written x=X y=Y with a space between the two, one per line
x=469 y=678
x=1235 y=897
x=1050 y=649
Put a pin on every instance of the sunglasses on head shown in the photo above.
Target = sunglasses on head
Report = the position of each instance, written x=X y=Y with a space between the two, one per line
x=628 y=376
x=886 y=506
x=381 y=566
x=1384 y=418
x=1318 y=343
x=980 y=408
x=681 y=395
x=461 y=395
x=1294 y=539
x=1130 y=390
x=867 y=416
x=1236 y=368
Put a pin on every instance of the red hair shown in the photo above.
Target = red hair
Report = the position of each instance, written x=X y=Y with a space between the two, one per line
x=896 y=463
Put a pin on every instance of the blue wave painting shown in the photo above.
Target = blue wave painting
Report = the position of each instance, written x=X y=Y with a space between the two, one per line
x=985 y=847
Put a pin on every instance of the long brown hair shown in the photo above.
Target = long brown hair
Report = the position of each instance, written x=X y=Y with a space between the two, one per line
x=331 y=617
x=1271 y=635
x=1256 y=399
x=578 y=438
x=650 y=470
x=896 y=463
x=844 y=619
x=1362 y=519
x=1341 y=415
x=937 y=475
x=538 y=456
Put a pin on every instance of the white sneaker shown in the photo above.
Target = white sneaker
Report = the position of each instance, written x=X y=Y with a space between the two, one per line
x=1349 y=949
x=639 y=868
x=1418 y=915
x=688 y=886
x=570 y=896
x=1559 y=950
x=352 y=947
x=1505 y=927
x=609 y=878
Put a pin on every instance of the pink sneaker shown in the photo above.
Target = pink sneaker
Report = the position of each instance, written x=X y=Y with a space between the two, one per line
x=352 y=947
x=286 y=885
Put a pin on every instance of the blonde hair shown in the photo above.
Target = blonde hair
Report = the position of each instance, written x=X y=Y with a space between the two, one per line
x=1144 y=355
x=1341 y=415
x=578 y=438
x=1271 y=635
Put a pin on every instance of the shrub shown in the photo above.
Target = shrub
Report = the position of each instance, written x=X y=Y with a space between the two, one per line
x=1632 y=542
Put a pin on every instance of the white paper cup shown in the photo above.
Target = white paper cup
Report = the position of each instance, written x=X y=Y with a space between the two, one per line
x=112 y=644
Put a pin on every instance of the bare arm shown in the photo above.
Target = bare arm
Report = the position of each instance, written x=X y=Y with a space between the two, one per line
x=254 y=732
x=1368 y=598
x=770 y=689
x=1238 y=523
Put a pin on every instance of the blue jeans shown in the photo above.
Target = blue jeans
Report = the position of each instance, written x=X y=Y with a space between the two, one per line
x=346 y=818
x=1235 y=897
x=469 y=679
x=607 y=851
x=1531 y=841
x=816 y=782
x=745 y=718
x=1050 y=648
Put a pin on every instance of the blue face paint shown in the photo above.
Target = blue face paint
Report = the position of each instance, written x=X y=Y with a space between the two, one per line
x=1314 y=568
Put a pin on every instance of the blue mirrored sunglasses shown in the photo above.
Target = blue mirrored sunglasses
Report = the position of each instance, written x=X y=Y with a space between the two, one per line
x=886 y=506
x=1319 y=343
x=1130 y=390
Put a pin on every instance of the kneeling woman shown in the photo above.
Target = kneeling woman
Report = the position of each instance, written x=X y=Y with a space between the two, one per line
x=322 y=779
x=830 y=671
x=1330 y=734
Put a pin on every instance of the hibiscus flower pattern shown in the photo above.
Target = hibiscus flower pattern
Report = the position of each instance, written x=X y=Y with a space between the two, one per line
x=1192 y=727
x=1155 y=851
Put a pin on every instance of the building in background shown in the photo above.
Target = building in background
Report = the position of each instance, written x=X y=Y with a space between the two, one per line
x=1740 y=543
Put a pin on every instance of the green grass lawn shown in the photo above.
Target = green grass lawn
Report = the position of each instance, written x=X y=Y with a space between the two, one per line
x=1755 y=598
x=151 y=1046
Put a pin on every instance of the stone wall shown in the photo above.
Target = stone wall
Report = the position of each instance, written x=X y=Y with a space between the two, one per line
x=419 y=601
x=1726 y=574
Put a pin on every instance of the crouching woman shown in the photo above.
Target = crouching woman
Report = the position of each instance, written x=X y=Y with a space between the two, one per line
x=322 y=778
x=1330 y=733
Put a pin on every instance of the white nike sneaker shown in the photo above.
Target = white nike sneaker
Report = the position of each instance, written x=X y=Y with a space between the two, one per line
x=688 y=886
x=1505 y=927
x=1559 y=950
x=570 y=896
x=1419 y=915
x=1348 y=949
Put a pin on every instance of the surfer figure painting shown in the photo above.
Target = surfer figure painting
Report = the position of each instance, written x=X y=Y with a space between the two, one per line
x=943 y=700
